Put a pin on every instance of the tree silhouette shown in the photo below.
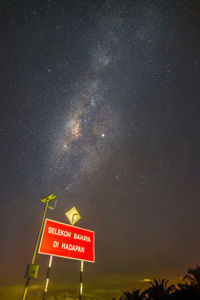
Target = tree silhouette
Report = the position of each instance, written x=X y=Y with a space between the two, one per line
x=135 y=295
x=160 y=290
x=190 y=289
x=193 y=276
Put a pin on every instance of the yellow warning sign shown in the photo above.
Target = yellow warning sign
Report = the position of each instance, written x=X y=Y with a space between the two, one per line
x=73 y=215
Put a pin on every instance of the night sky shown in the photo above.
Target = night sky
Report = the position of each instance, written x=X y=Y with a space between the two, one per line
x=100 y=104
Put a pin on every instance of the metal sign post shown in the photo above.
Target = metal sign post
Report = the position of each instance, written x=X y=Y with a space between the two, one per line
x=81 y=281
x=32 y=269
x=47 y=277
x=73 y=216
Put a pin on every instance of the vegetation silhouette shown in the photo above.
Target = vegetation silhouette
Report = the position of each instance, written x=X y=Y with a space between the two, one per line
x=160 y=289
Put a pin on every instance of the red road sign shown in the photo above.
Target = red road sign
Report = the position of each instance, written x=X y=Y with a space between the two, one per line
x=59 y=239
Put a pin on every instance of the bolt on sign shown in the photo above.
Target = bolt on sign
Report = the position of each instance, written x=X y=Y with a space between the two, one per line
x=63 y=240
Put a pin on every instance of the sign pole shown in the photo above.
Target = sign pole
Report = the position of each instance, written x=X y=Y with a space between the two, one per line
x=35 y=251
x=26 y=288
x=47 y=277
x=45 y=200
x=81 y=281
x=73 y=216
x=39 y=234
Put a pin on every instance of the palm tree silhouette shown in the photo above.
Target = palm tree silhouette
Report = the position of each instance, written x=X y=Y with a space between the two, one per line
x=190 y=289
x=135 y=295
x=159 y=290
x=193 y=276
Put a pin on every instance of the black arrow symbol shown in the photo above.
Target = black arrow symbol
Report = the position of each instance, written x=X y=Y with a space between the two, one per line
x=75 y=214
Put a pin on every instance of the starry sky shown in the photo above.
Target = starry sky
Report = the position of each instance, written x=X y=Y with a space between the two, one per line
x=100 y=106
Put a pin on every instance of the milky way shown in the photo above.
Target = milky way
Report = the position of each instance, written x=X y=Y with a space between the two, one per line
x=92 y=123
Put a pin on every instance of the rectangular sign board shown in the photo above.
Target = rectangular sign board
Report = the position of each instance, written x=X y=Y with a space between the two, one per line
x=63 y=240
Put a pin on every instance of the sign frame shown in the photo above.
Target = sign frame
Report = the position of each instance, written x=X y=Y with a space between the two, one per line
x=58 y=222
